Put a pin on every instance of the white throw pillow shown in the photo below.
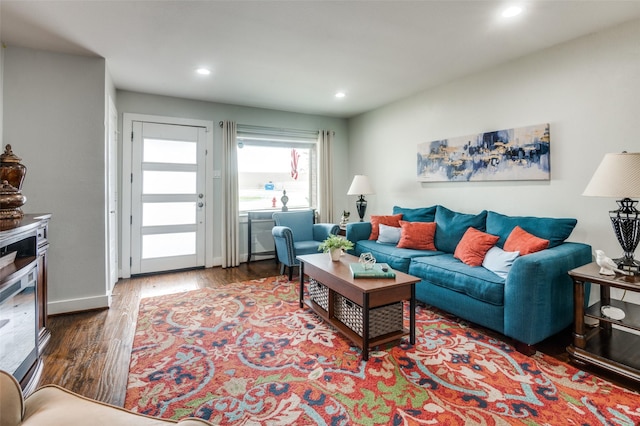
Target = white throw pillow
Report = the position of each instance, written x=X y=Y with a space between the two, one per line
x=389 y=234
x=499 y=261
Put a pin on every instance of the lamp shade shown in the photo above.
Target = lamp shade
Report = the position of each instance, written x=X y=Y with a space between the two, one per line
x=618 y=175
x=360 y=186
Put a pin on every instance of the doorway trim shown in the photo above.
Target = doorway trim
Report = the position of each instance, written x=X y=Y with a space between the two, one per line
x=127 y=129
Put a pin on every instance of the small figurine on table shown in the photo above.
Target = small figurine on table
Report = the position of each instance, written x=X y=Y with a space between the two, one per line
x=345 y=219
x=607 y=265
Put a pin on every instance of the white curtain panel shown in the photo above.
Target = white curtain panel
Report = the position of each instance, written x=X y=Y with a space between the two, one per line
x=230 y=208
x=325 y=204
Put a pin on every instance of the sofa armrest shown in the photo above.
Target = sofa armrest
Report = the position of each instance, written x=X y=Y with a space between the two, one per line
x=539 y=292
x=11 y=400
x=357 y=231
x=321 y=231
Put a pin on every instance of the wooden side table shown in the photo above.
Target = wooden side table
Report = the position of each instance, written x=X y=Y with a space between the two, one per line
x=616 y=349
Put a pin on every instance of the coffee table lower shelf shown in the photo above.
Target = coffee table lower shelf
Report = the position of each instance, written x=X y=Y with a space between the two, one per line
x=392 y=337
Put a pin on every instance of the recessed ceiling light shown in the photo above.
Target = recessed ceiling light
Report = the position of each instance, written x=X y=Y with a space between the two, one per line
x=203 y=71
x=340 y=95
x=511 y=11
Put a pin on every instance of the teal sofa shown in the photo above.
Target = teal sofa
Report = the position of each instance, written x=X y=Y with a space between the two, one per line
x=532 y=302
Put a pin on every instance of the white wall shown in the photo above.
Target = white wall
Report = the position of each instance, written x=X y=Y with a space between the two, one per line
x=587 y=89
x=132 y=102
x=54 y=112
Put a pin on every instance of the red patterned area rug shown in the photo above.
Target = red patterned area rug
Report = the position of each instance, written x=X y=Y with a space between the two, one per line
x=246 y=354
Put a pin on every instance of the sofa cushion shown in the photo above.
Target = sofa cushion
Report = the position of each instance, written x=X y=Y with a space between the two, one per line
x=393 y=220
x=397 y=258
x=556 y=230
x=417 y=235
x=420 y=214
x=499 y=261
x=306 y=247
x=447 y=271
x=388 y=234
x=473 y=246
x=524 y=242
x=451 y=226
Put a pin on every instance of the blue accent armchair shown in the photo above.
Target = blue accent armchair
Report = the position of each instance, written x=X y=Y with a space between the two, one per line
x=295 y=233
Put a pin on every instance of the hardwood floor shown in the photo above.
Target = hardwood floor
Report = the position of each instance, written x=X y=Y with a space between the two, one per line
x=89 y=352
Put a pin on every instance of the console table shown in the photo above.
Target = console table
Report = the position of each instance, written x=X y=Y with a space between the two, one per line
x=612 y=348
x=23 y=297
x=260 y=216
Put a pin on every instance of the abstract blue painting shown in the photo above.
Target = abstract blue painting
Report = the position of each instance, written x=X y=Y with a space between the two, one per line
x=513 y=154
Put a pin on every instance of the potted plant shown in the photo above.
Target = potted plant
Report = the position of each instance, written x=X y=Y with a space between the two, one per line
x=334 y=245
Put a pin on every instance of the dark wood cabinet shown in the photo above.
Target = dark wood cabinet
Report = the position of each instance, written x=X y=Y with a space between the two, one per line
x=43 y=247
x=23 y=297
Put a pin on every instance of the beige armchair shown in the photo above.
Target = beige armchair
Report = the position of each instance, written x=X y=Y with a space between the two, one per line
x=52 y=405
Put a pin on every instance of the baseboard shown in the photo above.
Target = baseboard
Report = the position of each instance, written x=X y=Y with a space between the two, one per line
x=78 y=305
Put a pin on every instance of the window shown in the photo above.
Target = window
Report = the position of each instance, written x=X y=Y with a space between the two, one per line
x=268 y=165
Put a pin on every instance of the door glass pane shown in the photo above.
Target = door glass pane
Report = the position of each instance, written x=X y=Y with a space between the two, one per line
x=164 y=151
x=155 y=182
x=162 y=214
x=165 y=245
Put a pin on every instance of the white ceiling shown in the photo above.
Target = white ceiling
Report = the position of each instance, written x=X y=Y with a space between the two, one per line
x=295 y=55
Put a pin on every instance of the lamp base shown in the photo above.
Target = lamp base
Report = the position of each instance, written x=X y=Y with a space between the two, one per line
x=629 y=265
x=361 y=206
x=626 y=224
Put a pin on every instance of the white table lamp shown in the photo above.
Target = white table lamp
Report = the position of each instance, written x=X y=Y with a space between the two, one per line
x=618 y=176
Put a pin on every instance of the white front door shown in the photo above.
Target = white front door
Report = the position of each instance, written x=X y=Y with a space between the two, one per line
x=167 y=197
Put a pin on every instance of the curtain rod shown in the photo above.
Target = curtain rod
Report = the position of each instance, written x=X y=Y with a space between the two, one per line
x=264 y=129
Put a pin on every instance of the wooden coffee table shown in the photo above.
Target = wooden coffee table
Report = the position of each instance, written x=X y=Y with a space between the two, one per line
x=368 y=293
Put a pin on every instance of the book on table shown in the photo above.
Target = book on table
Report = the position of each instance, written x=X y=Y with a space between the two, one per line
x=376 y=271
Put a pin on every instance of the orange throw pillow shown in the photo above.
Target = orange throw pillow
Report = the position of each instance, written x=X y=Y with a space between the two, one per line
x=524 y=242
x=393 y=220
x=417 y=235
x=474 y=246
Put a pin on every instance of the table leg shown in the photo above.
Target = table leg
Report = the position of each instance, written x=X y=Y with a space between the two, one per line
x=365 y=327
x=605 y=299
x=579 y=336
x=412 y=316
x=249 y=239
x=301 y=284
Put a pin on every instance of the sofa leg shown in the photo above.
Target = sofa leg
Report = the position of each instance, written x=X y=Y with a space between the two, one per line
x=525 y=349
x=290 y=273
x=282 y=269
